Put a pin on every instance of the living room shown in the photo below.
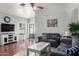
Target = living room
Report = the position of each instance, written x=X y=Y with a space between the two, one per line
x=50 y=29
x=58 y=33
x=14 y=20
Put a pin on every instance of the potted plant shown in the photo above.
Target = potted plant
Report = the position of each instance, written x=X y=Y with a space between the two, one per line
x=74 y=30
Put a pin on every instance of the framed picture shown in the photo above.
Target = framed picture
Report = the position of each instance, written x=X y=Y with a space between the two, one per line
x=52 y=23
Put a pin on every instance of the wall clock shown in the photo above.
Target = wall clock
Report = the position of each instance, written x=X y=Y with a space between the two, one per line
x=7 y=19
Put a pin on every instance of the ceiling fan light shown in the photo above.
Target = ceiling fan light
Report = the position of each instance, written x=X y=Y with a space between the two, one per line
x=34 y=8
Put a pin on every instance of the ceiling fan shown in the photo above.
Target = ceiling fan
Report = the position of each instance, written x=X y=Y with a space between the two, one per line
x=22 y=4
x=33 y=6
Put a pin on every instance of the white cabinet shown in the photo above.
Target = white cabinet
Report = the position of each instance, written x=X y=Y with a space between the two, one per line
x=7 y=38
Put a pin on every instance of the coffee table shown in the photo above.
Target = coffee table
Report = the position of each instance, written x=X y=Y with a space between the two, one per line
x=39 y=47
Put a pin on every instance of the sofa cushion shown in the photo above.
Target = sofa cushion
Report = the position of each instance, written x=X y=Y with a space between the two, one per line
x=53 y=35
x=50 y=40
x=66 y=41
x=44 y=38
x=62 y=47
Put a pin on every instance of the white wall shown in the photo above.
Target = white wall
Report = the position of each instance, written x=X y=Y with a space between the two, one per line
x=74 y=9
x=63 y=12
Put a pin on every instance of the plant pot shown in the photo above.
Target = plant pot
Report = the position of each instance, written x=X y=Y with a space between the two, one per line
x=75 y=40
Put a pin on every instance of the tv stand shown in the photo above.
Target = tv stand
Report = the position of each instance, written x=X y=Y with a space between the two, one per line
x=7 y=38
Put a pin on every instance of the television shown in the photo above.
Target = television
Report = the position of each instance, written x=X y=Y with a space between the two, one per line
x=7 y=27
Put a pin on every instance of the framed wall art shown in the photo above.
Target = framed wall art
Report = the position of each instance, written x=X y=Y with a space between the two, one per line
x=52 y=23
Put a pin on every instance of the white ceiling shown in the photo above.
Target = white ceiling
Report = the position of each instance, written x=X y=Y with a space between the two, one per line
x=64 y=5
x=17 y=10
x=27 y=12
x=42 y=4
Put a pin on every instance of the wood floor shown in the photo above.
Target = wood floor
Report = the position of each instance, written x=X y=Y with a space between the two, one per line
x=13 y=48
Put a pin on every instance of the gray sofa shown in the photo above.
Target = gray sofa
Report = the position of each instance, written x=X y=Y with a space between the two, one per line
x=52 y=38
x=60 y=47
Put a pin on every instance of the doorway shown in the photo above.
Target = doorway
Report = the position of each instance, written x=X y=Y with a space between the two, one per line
x=31 y=33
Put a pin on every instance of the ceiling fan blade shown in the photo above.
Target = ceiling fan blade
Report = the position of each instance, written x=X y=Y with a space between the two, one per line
x=23 y=4
x=40 y=7
x=35 y=7
x=32 y=4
